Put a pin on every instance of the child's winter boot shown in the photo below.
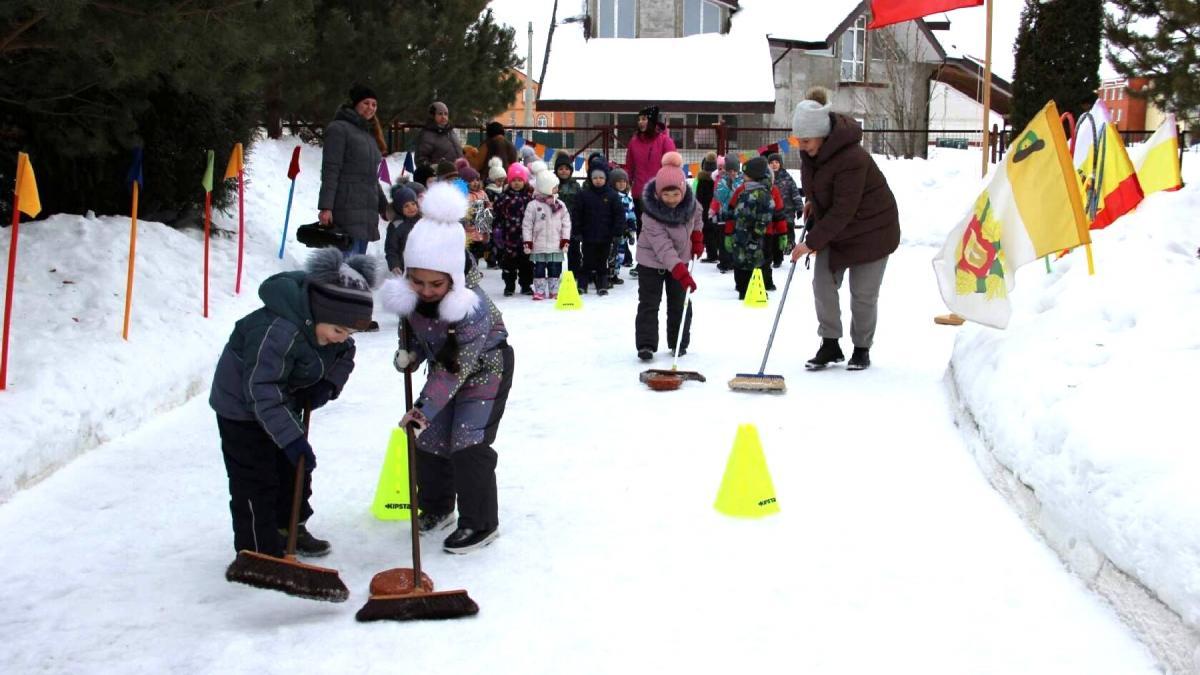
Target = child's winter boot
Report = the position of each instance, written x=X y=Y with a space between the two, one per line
x=554 y=288
x=539 y=289
x=306 y=544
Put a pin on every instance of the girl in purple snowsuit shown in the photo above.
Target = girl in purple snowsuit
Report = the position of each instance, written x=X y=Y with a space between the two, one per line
x=449 y=322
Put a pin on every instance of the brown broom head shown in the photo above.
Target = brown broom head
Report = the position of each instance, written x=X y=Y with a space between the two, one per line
x=418 y=606
x=771 y=384
x=663 y=382
x=398 y=581
x=287 y=576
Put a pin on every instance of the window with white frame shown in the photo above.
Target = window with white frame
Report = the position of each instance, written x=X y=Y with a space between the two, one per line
x=615 y=18
x=542 y=122
x=854 y=50
x=700 y=17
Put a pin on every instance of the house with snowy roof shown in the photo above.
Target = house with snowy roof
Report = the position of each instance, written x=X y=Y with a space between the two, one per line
x=744 y=62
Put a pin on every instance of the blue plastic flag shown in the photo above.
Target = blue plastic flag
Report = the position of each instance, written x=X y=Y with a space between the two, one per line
x=549 y=155
x=579 y=163
x=408 y=163
x=135 y=170
x=784 y=146
x=519 y=141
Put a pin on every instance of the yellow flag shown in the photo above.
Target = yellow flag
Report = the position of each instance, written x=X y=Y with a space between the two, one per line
x=1157 y=160
x=1032 y=206
x=28 y=201
x=235 y=165
x=1109 y=175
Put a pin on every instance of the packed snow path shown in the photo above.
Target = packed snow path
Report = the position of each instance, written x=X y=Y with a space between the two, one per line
x=891 y=553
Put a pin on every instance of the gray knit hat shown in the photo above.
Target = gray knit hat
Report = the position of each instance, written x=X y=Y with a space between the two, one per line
x=618 y=174
x=339 y=288
x=811 y=120
x=756 y=168
x=732 y=163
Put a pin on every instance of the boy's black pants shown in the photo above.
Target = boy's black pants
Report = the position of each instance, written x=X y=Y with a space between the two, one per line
x=516 y=267
x=261 y=481
x=470 y=474
x=651 y=283
x=595 y=265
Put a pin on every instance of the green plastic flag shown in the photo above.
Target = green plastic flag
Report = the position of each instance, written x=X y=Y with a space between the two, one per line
x=207 y=182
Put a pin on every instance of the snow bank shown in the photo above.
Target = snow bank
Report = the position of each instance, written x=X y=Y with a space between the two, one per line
x=1087 y=397
x=73 y=383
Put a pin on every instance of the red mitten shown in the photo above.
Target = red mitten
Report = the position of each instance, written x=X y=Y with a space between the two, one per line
x=680 y=272
x=563 y=243
x=697 y=243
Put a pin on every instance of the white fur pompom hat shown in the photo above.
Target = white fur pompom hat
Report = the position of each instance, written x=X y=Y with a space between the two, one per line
x=436 y=243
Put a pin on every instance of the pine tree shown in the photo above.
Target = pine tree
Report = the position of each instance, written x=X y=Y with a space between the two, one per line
x=85 y=81
x=411 y=54
x=1057 y=57
x=1169 y=57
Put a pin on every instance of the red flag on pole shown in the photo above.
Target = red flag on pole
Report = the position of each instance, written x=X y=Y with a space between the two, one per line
x=888 y=12
x=294 y=167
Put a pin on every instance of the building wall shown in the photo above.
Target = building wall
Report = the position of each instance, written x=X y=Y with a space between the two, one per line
x=1128 y=112
x=515 y=115
x=657 y=18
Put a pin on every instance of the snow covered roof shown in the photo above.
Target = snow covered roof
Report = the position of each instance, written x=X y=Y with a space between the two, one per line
x=812 y=22
x=623 y=75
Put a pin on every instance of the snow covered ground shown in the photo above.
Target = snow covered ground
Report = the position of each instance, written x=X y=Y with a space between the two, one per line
x=891 y=552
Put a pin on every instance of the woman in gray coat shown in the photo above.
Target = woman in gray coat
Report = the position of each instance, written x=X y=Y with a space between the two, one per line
x=436 y=141
x=351 y=199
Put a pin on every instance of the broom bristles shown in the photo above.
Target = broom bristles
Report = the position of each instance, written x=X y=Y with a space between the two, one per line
x=287 y=576
x=773 y=384
x=418 y=606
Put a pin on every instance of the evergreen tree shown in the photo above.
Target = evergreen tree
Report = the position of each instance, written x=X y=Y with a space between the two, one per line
x=410 y=53
x=1169 y=57
x=84 y=82
x=1057 y=57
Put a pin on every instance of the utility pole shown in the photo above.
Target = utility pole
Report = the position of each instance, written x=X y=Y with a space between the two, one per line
x=529 y=80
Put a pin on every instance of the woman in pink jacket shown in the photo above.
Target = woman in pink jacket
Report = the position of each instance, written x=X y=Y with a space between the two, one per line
x=644 y=155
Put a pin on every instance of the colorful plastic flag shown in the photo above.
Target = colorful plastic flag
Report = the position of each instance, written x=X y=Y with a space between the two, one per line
x=784 y=146
x=384 y=174
x=1031 y=207
x=519 y=141
x=549 y=155
x=409 y=166
x=693 y=168
x=294 y=167
x=236 y=164
x=28 y=200
x=135 y=170
x=1112 y=183
x=206 y=181
x=579 y=163
x=888 y=12
x=1157 y=160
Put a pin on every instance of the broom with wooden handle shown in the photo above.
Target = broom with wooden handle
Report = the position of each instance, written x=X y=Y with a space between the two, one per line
x=395 y=593
x=286 y=574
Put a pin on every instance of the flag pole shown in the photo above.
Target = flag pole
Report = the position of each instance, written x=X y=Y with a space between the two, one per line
x=987 y=86
x=12 y=267
x=132 y=256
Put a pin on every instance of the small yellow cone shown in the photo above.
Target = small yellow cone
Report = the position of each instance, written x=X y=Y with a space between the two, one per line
x=568 y=293
x=756 y=292
x=391 y=496
x=746 y=490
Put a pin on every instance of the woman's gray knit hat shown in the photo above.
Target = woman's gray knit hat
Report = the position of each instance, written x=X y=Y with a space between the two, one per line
x=811 y=120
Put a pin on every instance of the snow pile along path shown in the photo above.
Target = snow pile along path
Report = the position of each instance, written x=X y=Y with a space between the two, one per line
x=1087 y=401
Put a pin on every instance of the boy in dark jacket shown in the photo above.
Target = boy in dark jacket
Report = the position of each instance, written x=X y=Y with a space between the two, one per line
x=601 y=216
x=568 y=194
x=705 y=187
x=292 y=354
x=404 y=200
x=793 y=201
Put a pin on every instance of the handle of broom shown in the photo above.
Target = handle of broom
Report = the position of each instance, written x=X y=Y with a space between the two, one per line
x=687 y=302
x=297 y=494
x=779 y=312
x=412 y=467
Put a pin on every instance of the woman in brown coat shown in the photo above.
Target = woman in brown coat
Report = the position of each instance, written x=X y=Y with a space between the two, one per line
x=853 y=225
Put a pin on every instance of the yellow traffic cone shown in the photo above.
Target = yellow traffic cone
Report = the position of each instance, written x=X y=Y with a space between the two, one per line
x=568 y=293
x=746 y=490
x=756 y=292
x=391 y=496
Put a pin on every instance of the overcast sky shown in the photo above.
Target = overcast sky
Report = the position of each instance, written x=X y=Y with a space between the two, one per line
x=967 y=29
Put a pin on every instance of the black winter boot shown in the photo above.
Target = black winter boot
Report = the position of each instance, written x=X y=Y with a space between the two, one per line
x=830 y=352
x=860 y=359
x=306 y=544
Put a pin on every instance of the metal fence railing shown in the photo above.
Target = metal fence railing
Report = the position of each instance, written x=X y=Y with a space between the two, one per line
x=694 y=141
